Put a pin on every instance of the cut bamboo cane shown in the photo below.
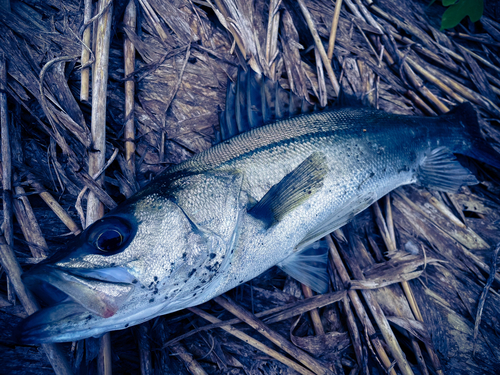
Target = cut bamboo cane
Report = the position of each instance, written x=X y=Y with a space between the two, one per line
x=255 y=343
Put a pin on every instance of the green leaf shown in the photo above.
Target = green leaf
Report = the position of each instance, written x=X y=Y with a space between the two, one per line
x=457 y=12
x=447 y=3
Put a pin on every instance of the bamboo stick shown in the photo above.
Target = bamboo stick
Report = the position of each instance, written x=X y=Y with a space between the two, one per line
x=255 y=343
x=130 y=20
x=95 y=208
x=8 y=260
x=275 y=337
x=319 y=46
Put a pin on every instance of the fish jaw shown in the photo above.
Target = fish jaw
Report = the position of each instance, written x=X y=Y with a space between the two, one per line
x=75 y=296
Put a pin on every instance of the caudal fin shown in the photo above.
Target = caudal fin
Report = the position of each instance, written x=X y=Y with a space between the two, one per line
x=479 y=148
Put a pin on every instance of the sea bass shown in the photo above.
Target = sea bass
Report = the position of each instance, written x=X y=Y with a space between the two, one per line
x=225 y=216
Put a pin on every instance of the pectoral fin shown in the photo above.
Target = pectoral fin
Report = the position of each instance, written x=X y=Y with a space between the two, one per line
x=440 y=170
x=309 y=266
x=339 y=217
x=293 y=190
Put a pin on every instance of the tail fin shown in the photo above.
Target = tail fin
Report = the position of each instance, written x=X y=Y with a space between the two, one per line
x=479 y=148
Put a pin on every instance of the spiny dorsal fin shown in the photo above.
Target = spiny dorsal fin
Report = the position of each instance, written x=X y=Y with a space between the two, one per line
x=294 y=189
x=253 y=100
x=441 y=170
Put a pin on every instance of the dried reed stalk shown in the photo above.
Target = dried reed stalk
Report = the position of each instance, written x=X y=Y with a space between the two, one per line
x=130 y=20
x=275 y=337
x=95 y=208
x=314 y=314
x=251 y=341
x=7 y=203
x=85 y=73
x=360 y=310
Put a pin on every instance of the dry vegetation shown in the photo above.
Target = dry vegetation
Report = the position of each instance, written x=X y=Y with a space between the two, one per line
x=413 y=279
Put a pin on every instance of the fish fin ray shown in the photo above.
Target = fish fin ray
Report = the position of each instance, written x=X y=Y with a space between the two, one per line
x=339 y=217
x=294 y=189
x=441 y=170
x=309 y=266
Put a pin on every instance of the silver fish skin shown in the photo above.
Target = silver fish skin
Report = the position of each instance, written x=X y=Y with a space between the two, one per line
x=232 y=212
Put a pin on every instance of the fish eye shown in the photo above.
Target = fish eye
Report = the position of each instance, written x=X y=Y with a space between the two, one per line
x=110 y=234
x=109 y=240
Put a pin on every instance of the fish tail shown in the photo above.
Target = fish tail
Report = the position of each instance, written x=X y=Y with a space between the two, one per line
x=478 y=148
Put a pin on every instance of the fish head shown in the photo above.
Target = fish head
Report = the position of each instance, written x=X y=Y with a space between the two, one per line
x=144 y=258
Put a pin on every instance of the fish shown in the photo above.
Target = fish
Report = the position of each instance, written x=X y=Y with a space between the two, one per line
x=257 y=199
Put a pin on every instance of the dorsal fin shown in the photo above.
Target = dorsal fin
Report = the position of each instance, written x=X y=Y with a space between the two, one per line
x=254 y=100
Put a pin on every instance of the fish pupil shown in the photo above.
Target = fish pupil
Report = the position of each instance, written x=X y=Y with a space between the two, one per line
x=109 y=240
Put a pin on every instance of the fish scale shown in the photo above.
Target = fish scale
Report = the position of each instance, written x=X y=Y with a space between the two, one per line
x=251 y=202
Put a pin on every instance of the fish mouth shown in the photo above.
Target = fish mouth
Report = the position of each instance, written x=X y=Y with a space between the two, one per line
x=71 y=293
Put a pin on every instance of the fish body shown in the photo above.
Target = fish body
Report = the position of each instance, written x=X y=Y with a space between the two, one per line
x=233 y=211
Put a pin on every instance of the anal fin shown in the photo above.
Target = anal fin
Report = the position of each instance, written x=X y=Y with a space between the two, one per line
x=293 y=190
x=309 y=266
x=441 y=170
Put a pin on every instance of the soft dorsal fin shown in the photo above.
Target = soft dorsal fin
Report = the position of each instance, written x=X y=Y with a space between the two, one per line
x=295 y=188
x=309 y=266
x=253 y=100
x=441 y=170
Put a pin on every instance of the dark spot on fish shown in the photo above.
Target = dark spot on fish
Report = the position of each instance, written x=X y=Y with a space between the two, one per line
x=150 y=285
x=166 y=297
x=88 y=317
x=155 y=278
x=185 y=281
x=191 y=273
x=112 y=265
x=143 y=287
x=155 y=291
x=134 y=281
x=241 y=281
x=151 y=300
x=212 y=255
x=197 y=287
x=126 y=325
x=184 y=256
x=194 y=295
